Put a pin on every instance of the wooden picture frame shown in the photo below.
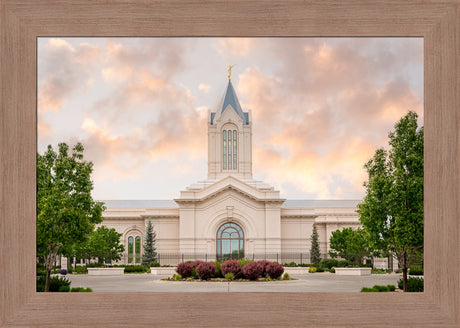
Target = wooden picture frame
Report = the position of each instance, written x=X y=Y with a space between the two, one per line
x=23 y=21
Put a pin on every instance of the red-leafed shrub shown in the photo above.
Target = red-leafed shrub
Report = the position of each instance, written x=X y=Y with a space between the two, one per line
x=196 y=263
x=275 y=270
x=185 y=269
x=206 y=270
x=194 y=266
x=231 y=266
x=264 y=264
x=252 y=270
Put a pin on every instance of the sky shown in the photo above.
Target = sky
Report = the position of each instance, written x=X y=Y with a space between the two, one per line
x=140 y=107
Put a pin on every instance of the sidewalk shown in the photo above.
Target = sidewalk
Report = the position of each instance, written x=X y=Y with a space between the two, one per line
x=312 y=282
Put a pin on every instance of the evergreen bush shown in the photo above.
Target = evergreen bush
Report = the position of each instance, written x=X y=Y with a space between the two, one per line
x=81 y=269
x=315 y=253
x=218 y=265
x=64 y=289
x=416 y=270
x=414 y=284
x=55 y=283
x=80 y=290
x=150 y=254
x=230 y=276
x=244 y=261
x=136 y=269
x=342 y=264
x=328 y=263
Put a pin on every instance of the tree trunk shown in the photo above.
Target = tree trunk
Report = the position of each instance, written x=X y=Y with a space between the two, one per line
x=404 y=270
x=49 y=261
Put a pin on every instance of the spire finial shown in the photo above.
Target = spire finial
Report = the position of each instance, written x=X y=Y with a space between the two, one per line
x=230 y=72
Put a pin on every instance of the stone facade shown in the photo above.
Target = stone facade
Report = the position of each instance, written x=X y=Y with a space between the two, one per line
x=270 y=225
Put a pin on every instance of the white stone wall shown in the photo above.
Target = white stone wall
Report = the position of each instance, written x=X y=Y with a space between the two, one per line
x=267 y=227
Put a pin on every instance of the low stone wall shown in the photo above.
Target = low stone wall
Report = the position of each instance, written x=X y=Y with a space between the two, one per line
x=106 y=271
x=353 y=271
x=166 y=271
x=292 y=271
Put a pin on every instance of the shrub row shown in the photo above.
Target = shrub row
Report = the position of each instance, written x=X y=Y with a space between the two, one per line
x=379 y=289
x=414 y=284
x=231 y=269
x=293 y=264
x=416 y=270
x=57 y=284
x=136 y=269
x=81 y=289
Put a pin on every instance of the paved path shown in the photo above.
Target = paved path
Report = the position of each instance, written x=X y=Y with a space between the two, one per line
x=312 y=282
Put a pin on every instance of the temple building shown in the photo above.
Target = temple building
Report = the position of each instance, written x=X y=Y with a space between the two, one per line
x=229 y=214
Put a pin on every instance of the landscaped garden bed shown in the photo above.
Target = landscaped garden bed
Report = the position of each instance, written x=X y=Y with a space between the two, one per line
x=229 y=270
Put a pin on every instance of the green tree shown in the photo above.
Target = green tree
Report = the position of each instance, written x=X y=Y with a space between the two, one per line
x=349 y=244
x=315 y=253
x=150 y=254
x=104 y=244
x=66 y=212
x=392 y=211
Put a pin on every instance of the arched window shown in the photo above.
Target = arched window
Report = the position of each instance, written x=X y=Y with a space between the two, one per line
x=230 y=242
x=138 y=249
x=130 y=249
x=230 y=149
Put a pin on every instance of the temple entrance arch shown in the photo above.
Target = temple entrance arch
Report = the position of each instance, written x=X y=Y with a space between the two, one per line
x=230 y=242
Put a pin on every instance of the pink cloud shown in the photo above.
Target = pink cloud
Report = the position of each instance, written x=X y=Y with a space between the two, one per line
x=325 y=110
x=63 y=71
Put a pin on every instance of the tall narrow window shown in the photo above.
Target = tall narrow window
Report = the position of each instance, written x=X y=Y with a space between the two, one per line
x=138 y=249
x=224 y=138
x=229 y=150
x=130 y=249
x=234 y=149
x=229 y=135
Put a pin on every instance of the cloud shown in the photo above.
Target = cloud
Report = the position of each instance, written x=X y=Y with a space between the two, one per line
x=64 y=70
x=320 y=107
x=236 y=47
x=322 y=113
x=204 y=88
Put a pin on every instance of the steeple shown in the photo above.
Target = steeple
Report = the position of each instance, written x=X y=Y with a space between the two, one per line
x=230 y=138
x=230 y=99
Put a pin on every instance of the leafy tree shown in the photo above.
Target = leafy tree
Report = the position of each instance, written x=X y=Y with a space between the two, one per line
x=392 y=211
x=66 y=212
x=150 y=254
x=315 y=253
x=349 y=244
x=104 y=244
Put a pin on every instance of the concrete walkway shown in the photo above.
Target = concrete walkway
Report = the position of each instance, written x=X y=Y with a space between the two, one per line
x=312 y=282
